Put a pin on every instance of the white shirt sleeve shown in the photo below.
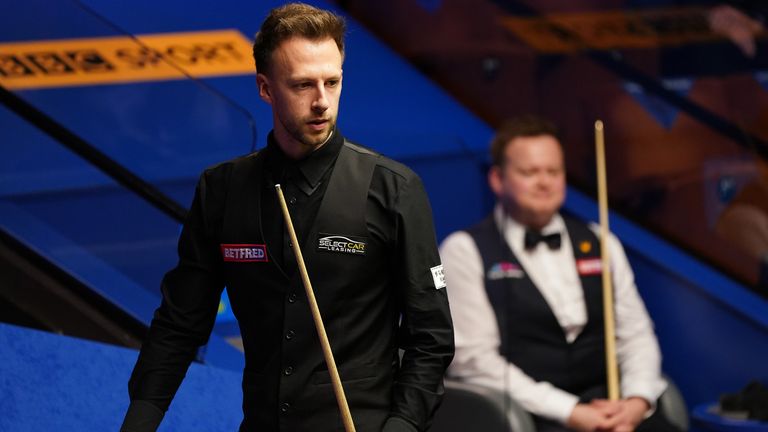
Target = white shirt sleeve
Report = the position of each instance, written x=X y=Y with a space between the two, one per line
x=637 y=348
x=477 y=359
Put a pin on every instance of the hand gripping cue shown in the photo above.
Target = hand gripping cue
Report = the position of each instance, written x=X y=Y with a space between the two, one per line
x=341 y=399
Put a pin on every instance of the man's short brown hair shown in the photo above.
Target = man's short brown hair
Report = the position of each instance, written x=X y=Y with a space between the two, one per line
x=295 y=19
x=523 y=126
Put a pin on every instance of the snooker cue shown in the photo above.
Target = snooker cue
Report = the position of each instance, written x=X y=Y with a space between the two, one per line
x=341 y=399
x=608 y=310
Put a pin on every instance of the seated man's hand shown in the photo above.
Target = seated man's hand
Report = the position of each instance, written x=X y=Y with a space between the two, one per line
x=623 y=415
x=587 y=418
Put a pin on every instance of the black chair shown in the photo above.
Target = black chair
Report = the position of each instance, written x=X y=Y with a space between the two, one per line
x=672 y=405
x=469 y=407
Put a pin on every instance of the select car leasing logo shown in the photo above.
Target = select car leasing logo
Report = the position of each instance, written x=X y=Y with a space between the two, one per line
x=124 y=59
x=341 y=244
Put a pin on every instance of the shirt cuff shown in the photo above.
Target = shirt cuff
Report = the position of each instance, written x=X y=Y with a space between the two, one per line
x=649 y=392
x=396 y=424
x=142 y=416
x=559 y=406
x=651 y=403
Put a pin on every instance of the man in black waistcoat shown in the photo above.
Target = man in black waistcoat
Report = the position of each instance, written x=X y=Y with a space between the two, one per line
x=526 y=298
x=366 y=234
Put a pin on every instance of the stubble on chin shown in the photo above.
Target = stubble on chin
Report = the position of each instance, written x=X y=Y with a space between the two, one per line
x=314 y=141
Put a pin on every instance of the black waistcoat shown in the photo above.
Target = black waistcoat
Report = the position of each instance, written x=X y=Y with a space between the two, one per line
x=286 y=385
x=531 y=337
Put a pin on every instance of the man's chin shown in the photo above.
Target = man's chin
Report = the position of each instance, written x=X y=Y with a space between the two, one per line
x=316 y=139
x=543 y=217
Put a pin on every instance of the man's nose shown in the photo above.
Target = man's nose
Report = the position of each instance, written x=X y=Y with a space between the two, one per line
x=543 y=181
x=320 y=104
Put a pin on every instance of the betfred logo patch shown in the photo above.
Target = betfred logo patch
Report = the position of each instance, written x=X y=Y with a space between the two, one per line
x=244 y=252
x=589 y=266
x=341 y=244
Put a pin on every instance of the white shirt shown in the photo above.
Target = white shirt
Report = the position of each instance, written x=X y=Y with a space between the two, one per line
x=477 y=359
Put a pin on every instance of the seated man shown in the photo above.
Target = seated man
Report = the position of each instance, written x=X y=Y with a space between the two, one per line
x=525 y=290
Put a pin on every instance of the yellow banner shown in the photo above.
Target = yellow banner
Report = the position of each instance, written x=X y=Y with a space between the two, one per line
x=123 y=59
x=560 y=33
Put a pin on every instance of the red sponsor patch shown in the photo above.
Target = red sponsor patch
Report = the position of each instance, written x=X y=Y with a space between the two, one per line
x=244 y=252
x=589 y=266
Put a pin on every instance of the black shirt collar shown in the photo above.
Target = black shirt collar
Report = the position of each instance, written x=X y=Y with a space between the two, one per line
x=312 y=166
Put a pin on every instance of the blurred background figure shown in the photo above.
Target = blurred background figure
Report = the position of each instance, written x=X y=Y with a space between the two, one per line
x=525 y=287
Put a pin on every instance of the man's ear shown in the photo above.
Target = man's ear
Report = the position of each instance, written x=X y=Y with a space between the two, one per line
x=495 y=180
x=265 y=92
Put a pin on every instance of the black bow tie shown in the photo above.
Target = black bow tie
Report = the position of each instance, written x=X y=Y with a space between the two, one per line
x=532 y=238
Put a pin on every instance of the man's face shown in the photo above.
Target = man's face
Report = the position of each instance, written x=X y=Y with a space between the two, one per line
x=531 y=184
x=303 y=86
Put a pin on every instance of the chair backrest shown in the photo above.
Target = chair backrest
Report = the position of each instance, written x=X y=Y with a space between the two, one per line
x=673 y=406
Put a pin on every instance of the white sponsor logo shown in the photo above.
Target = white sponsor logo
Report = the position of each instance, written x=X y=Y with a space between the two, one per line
x=341 y=244
x=438 y=277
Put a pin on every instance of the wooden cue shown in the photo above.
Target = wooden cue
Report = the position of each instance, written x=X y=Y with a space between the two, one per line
x=610 y=324
x=341 y=399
